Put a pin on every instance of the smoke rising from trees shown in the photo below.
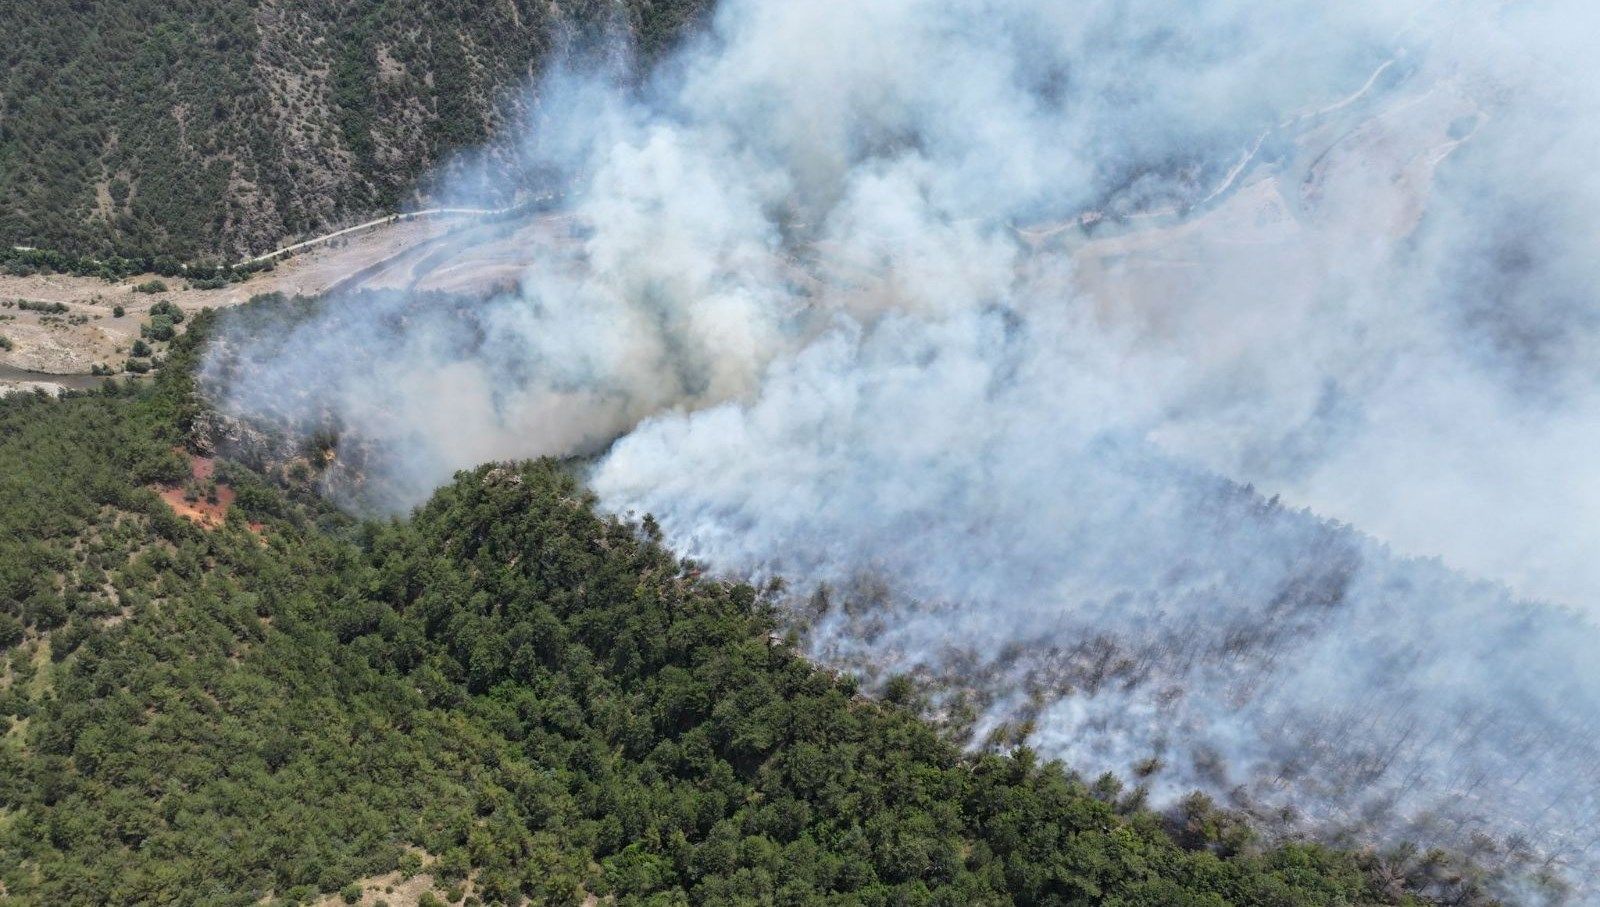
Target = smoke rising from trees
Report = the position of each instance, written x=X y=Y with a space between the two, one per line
x=992 y=318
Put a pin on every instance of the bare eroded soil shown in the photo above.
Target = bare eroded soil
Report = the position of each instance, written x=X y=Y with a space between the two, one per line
x=89 y=332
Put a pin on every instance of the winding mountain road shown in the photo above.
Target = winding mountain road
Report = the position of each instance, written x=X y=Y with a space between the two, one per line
x=400 y=217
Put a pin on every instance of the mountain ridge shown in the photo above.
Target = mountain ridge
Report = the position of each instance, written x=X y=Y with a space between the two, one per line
x=205 y=130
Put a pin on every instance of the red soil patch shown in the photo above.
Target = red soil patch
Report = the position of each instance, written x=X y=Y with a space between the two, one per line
x=202 y=512
x=202 y=468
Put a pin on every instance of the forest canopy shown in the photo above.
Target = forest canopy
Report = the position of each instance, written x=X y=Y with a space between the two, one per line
x=508 y=693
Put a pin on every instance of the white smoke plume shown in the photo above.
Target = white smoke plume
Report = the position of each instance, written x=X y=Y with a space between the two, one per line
x=986 y=314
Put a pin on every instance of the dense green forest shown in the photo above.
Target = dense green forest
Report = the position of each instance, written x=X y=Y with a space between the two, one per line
x=208 y=128
x=524 y=699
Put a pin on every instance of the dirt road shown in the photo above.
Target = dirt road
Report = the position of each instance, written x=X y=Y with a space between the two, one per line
x=538 y=203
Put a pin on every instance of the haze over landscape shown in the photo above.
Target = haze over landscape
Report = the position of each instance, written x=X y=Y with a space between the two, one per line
x=1038 y=289
x=1202 y=394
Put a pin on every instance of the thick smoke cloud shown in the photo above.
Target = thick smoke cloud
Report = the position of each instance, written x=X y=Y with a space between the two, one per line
x=984 y=315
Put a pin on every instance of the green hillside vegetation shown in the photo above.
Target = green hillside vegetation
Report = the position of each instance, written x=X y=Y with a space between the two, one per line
x=526 y=699
x=188 y=129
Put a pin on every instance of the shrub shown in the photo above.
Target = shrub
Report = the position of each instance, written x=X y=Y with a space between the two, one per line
x=10 y=631
x=159 y=328
x=154 y=285
x=410 y=863
x=169 y=309
x=900 y=690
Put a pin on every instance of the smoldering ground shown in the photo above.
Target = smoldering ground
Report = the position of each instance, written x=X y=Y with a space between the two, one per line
x=988 y=315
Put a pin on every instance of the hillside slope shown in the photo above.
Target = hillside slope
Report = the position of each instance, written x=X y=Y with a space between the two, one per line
x=217 y=127
x=509 y=694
